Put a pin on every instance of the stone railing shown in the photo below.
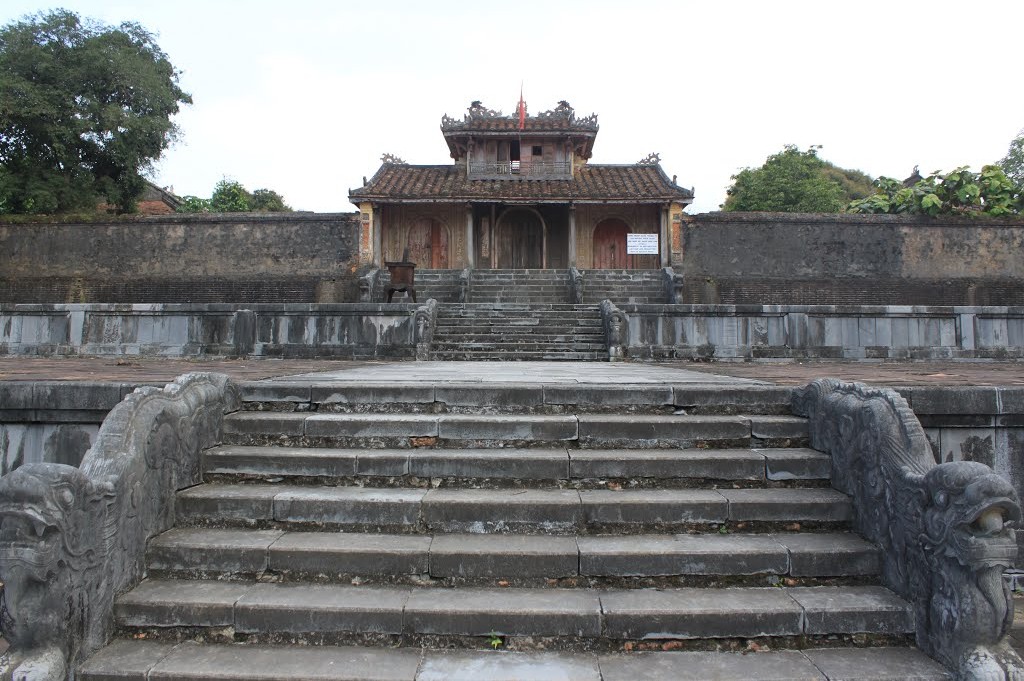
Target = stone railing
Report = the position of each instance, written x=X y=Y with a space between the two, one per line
x=673 y=285
x=945 y=530
x=616 y=330
x=426 y=323
x=74 y=538
x=575 y=286
x=369 y=285
x=746 y=332
x=465 y=278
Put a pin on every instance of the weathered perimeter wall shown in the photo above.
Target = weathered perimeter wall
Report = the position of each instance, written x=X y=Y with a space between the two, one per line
x=811 y=259
x=217 y=258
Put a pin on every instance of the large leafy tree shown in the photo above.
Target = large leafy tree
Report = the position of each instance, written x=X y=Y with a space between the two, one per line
x=1013 y=163
x=796 y=181
x=85 y=109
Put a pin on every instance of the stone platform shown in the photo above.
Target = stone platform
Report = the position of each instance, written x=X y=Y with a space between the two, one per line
x=153 y=371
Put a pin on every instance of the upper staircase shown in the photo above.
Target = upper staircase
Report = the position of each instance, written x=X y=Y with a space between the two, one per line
x=485 y=331
x=521 y=287
x=490 y=531
x=624 y=286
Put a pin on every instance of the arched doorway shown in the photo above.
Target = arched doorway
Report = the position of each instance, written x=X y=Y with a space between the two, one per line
x=609 y=247
x=521 y=239
x=428 y=244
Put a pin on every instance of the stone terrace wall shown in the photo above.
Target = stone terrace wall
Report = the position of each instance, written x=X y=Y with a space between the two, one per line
x=752 y=332
x=217 y=258
x=810 y=259
x=342 y=330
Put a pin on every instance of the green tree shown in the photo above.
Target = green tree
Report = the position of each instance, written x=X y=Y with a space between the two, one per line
x=959 y=192
x=795 y=181
x=230 y=196
x=269 y=200
x=1013 y=163
x=85 y=109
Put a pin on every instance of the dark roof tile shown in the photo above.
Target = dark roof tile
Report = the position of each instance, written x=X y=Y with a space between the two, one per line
x=399 y=182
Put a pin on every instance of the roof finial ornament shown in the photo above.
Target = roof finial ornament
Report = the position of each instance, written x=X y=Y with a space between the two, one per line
x=478 y=110
x=652 y=159
x=391 y=158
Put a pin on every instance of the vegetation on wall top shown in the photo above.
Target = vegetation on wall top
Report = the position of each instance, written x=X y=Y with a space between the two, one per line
x=795 y=181
x=229 y=196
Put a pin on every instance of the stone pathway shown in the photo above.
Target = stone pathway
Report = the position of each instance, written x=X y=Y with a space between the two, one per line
x=159 y=370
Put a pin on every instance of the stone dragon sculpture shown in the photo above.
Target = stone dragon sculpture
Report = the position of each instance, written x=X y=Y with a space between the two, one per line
x=945 y=530
x=71 y=539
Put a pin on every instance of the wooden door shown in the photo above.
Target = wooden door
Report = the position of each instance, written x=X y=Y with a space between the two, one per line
x=610 y=245
x=610 y=248
x=521 y=241
x=428 y=244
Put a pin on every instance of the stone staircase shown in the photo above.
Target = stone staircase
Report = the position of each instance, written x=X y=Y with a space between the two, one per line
x=486 y=331
x=487 y=531
x=530 y=287
x=623 y=286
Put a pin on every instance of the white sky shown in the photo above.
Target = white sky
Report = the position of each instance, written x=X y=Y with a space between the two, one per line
x=304 y=96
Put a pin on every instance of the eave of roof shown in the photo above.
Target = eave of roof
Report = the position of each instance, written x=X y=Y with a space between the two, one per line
x=594 y=183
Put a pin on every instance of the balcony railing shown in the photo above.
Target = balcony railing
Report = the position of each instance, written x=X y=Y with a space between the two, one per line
x=551 y=170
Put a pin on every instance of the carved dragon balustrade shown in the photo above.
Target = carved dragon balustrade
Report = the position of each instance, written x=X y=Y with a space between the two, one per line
x=945 y=530
x=71 y=539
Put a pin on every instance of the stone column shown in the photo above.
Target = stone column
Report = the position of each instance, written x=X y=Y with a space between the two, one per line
x=663 y=237
x=470 y=246
x=572 y=235
x=493 y=236
x=378 y=237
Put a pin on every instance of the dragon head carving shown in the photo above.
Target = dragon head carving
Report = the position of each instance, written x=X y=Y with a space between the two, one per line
x=51 y=530
x=970 y=515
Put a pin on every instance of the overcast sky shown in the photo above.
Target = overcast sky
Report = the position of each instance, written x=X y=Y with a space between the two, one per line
x=303 y=96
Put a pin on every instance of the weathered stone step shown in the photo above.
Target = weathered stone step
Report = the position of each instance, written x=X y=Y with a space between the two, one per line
x=191 y=661
x=557 y=324
x=530 y=464
x=494 y=316
x=517 y=356
x=514 y=335
x=516 y=345
x=334 y=555
x=587 y=430
x=378 y=397
x=527 y=511
x=618 y=614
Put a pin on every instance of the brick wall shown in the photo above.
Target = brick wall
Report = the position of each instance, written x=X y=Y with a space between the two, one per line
x=804 y=259
x=273 y=258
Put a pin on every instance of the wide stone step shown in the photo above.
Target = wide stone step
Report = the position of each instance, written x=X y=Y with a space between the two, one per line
x=340 y=556
x=191 y=661
x=526 y=511
x=517 y=356
x=413 y=396
x=587 y=430
x=514 y=345
x=566 y=322
x=617 y=614
x=513 y=335
x=529 y=464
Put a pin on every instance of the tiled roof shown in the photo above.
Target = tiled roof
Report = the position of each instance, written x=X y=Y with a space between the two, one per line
x=400 y=183
x=511 y=124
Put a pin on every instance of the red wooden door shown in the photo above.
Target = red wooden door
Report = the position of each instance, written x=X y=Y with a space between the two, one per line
x=610 y=245
x=428 y=244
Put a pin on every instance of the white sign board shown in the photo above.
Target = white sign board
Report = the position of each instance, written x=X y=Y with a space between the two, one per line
x=641 y=244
